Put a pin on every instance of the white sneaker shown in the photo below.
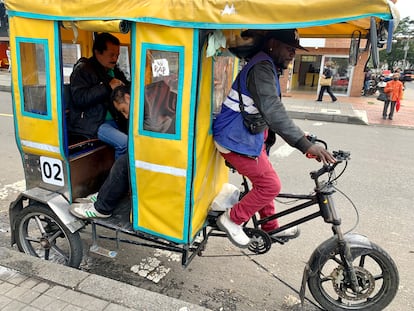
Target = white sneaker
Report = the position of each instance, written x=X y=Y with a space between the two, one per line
x=287 y=234
x=85 y=211
x=90 y=198
x=234 y=232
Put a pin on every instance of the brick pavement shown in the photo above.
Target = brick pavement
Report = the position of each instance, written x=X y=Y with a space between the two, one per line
x=369 y=105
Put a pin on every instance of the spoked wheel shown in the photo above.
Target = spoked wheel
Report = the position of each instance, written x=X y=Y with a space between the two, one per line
x=377 y=277
x=40 y=233
x=260 y=240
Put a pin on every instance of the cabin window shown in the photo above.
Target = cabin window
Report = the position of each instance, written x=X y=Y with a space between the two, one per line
x=123 y=61
x=34 y=76
x=162 y=91
x=71 y=52
x=223 y=78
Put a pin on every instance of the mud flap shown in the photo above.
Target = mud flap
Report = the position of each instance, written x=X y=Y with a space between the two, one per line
x=58 y=204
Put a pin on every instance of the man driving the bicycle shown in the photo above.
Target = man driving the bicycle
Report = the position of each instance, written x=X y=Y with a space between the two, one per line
x=250 y=115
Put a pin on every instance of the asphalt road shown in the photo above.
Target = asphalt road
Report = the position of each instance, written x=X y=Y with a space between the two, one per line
x=378 y=180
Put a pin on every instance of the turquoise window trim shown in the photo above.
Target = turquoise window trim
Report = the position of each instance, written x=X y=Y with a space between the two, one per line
x=44 y=42
x=59 y=106
x=191 y=160
x=165 y=48
x=131 y=145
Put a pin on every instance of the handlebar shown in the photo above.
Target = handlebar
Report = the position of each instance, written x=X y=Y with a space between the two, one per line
x=314 y=140
x=339 y=155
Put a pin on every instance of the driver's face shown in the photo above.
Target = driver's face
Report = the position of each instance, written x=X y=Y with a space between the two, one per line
x=281 y=53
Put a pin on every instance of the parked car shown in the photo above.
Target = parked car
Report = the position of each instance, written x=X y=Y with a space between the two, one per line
x=408 y=75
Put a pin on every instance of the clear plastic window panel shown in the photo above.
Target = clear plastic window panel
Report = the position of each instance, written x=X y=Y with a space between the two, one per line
x=223 y=79
x=33 y=67
x=161 y=86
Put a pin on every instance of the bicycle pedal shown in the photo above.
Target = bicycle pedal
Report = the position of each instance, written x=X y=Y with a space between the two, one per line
x=96 y=249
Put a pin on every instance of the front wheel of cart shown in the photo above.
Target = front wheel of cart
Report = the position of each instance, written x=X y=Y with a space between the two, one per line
x=40 y=233
x=376 y=274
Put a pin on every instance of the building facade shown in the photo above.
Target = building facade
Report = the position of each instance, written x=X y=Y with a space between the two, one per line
x=303 y=74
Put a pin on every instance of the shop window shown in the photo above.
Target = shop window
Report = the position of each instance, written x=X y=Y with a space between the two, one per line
x=342 y=73
x=162 y=91
x=34 y=77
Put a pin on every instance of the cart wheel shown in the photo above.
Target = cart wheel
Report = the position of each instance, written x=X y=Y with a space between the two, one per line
x=260 y=240
x=40 y=233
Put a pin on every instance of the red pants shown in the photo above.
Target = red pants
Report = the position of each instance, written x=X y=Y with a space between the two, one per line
x=266 y=186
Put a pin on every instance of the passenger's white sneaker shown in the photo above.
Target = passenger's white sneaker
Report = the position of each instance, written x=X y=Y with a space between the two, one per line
x=85 y=211
x=90 y=198
x=287 y=234
x=234 y=231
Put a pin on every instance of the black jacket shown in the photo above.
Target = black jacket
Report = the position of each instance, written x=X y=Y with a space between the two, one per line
x=91 y=92
x=262 y=87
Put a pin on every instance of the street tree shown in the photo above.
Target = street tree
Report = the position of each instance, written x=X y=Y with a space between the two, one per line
x=402 y=53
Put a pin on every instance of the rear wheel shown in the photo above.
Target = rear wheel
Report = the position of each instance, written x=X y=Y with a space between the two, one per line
x=40 y=233
x=377 y=277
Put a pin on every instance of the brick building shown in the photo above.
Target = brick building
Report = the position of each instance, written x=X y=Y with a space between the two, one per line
x=303 y=74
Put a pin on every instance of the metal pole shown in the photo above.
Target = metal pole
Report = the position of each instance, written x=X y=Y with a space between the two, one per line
x=406 y=47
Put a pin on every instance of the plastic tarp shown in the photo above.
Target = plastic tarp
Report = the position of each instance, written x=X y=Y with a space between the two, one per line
x=219 y=14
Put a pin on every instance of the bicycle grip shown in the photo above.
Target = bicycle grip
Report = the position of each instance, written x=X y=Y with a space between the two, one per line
x=311 y=156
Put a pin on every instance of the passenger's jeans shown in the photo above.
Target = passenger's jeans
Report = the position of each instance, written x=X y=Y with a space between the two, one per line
x=115 y=187
x=109 y=133
x=385 y=110
x=265 y=187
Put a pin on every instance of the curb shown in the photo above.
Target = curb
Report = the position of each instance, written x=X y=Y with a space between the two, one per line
x=5 y=88
x=95 y=286
x=338 y=118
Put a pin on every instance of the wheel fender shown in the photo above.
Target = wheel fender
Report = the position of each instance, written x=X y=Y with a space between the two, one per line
x=357 y=243
x=56 y=201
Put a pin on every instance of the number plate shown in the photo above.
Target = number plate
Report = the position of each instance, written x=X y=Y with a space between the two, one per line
x=52 y=171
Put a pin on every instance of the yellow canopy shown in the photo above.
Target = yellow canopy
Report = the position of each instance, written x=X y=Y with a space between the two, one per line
x=219 y=14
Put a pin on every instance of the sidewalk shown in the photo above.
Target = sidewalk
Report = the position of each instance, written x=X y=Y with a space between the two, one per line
x=29 y=283
x=354 y=110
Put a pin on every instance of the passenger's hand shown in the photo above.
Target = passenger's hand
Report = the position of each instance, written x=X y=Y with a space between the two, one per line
x=115 y=83
x=321 y=154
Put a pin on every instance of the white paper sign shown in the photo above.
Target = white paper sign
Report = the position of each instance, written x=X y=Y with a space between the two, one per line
x=160 y=68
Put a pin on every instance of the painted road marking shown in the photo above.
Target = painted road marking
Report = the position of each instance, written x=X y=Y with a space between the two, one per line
x=18 y=186
x=283 y=151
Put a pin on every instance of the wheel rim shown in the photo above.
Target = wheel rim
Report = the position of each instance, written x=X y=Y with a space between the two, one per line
x=41 y=236
x=373 y=281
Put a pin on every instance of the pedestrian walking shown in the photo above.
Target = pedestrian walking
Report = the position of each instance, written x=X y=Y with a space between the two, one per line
x=8 y=57
x=326 y=82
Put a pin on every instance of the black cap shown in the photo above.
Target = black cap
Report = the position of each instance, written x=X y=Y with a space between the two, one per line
x=287 y=36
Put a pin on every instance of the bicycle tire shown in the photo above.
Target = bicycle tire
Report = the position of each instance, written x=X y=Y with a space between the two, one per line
x=382 y=292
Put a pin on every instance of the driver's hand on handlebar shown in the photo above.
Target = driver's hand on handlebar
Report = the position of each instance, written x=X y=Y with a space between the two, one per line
x=321 y=154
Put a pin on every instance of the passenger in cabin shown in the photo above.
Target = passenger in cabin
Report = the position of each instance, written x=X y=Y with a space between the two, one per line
x=92 y=114
x=121 y=99
x=116 y=185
